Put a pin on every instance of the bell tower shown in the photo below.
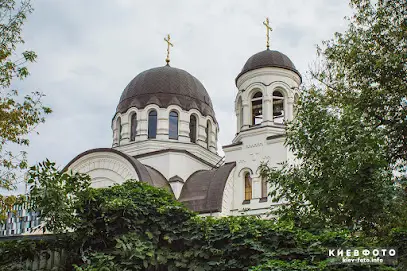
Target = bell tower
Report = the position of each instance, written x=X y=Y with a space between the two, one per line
x=267 y=90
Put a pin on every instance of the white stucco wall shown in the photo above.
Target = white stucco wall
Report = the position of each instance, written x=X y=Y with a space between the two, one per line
x=248 y=156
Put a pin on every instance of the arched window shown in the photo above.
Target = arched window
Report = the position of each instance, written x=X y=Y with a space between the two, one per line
x=240 y=110
x=152 y=124
x=241 y=117
x=208 y=131
x=257 y=108
x=278 y=107
x=133 y=123
x=264 y=191
x=173 y=125
x=247 y=186
x=192 y=128
x=119 y=128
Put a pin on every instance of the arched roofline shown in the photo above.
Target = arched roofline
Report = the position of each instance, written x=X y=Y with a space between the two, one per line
x=138 y=167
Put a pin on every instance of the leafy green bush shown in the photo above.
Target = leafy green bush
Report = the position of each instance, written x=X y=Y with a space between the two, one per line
x=134 y=226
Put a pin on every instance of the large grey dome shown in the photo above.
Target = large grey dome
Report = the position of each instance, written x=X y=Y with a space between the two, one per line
x=268 y=58
x=166 y=86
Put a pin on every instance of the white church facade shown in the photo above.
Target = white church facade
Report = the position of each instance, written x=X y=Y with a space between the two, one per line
x=165 y=133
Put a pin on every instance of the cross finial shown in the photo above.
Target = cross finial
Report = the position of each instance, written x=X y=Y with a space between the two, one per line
x=167 y=39
x=268 y=29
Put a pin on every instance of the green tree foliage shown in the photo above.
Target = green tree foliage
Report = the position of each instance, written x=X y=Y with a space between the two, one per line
x=54 y=194
x=134 y=226
x=351 y=128
x=366 y=67
x=18 y=115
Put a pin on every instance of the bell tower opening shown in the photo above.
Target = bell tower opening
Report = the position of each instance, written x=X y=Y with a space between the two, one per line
x=257 y=108
x=278 y=107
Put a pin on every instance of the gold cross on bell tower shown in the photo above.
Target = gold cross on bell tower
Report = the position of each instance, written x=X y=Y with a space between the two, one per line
x=167 y=39
x=268 y=29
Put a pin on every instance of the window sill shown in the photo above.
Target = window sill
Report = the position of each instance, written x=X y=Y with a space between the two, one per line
x=246 y=201
x=263 y=199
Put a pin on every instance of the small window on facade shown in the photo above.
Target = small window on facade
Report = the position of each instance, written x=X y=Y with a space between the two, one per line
x=208 y=133
x=278 y=107
x=192 y=128
x=119 y=128
x=133 y=123
x=240 y=110
x=241 y=117
x=152 y=124
x=247 y=186
x=173 y=125
x=257 y=108
x=264 y=191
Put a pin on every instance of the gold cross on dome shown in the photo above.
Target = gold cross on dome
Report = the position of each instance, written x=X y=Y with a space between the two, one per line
x=268 y=28
x=167 y=39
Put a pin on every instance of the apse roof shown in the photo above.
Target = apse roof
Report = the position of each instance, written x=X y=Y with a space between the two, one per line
x=203 y=191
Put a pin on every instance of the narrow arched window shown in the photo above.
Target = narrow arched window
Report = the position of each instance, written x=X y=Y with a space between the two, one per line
x=192 y=128
x=241 y=117
x=119 y=128
x=264 y=191
x=257 y=108
x=240 y=112
x=247 y=186
x=208 y=134
x=173 y=125
x=278 y=107
x=133 y=123
x=152 y=124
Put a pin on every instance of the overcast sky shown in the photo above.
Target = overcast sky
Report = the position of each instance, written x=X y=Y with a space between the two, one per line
x=88 y=51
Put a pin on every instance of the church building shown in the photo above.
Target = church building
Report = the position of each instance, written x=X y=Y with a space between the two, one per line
x=165 y=133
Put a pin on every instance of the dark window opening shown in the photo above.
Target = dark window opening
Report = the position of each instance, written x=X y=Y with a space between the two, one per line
x=208 y=131
x=278 y=107
x=133 y=123
x=257 y=108
x=119 y=129
x=173 y=125
x=152 y=124
x=192 y=128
